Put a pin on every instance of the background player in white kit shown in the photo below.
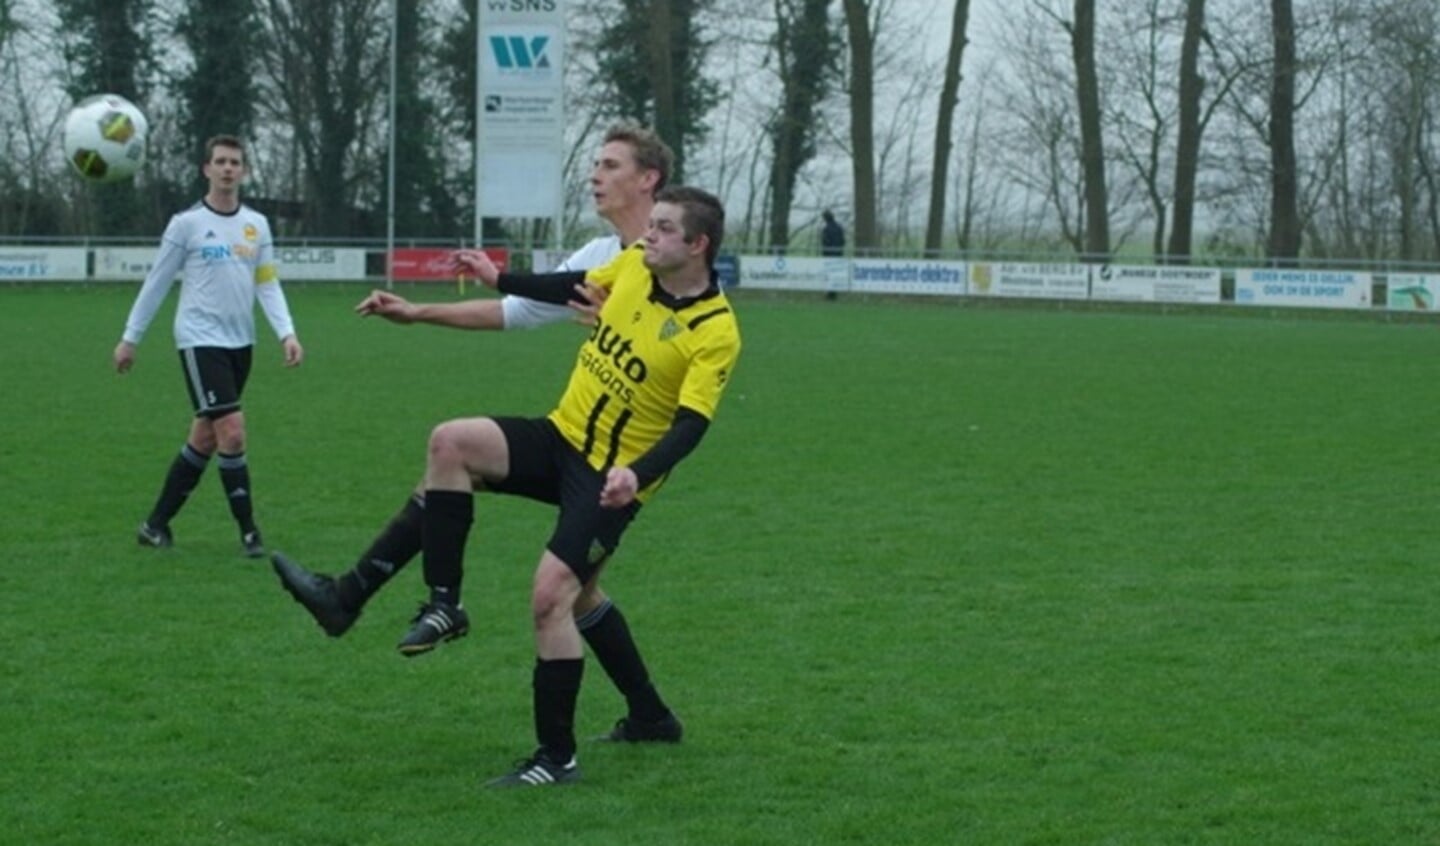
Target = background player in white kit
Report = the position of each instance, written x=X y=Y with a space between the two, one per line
x=226 y=255
x=632 y=165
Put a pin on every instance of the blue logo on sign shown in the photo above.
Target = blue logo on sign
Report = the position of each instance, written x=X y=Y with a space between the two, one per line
x=515 y=52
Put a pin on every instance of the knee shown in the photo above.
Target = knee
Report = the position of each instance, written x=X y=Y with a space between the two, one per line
x=229 y=434
x=445 y=444
x=552 y=602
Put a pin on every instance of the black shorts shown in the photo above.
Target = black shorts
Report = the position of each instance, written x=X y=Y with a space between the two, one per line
x=545 y=467
x=215 y=378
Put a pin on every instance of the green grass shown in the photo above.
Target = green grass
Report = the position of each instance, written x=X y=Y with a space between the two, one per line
x=938 y=575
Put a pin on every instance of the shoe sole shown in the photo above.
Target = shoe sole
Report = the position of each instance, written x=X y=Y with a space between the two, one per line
x=410 y=650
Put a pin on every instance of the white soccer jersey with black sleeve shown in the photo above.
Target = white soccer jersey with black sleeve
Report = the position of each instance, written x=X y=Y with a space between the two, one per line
x=521 y=313
x=226 y=262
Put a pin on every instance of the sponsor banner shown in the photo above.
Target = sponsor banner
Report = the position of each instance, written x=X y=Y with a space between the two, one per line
x=21 y=264
x=336 y=263
x=1044 y=281
x=899 y=276
x=129 y=264
x=424 y=264
x=520 y=134
x=784 y=273
x=343 y=263
x=1302 y=288
x=1155 y=284
x=1411 y=291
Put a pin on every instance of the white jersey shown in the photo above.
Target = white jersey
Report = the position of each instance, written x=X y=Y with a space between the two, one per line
x=226 y=261
x=521 y=313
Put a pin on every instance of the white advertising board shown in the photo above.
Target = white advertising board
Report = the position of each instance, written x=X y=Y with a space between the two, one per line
x=338 y=263
x=520 y=132
x=303 y=262
x=1129 y=283
x=25 y=264
x=784 y=273
x=899 y=276
x=1302 y=288
x=1411 y=291
x=1041 y=281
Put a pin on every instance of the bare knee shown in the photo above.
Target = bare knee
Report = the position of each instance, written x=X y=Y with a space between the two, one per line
x=552 y=601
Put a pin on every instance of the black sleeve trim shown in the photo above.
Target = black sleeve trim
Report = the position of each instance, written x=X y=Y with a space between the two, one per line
x=706 y=316
x=557 y=288
x=678 y=441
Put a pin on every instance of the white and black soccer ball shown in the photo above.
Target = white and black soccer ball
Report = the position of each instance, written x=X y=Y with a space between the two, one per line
x=104 y=138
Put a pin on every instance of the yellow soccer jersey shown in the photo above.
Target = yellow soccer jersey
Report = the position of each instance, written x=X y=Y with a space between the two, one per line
x=648 y=355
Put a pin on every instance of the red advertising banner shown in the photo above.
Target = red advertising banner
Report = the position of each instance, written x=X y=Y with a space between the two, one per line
x=423 y=264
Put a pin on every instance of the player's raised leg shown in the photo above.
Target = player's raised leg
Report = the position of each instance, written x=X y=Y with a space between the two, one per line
x=463 y=454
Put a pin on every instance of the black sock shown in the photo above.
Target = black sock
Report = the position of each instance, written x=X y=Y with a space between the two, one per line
x=445 y=526
x=180 y=480
x=556 y=687
x=235 y=477
x=391 y=550
x=608 y=635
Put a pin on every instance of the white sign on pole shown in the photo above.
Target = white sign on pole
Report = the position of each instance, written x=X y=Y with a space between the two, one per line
x=520 y=113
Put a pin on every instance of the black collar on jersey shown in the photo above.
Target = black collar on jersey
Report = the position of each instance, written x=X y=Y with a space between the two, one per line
x=669 y=300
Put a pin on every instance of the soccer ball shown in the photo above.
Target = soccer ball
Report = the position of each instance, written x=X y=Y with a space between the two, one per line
x=104 y=138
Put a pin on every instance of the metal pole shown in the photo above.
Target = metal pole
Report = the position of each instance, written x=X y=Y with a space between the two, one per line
x=479 y=113
x=390 y=176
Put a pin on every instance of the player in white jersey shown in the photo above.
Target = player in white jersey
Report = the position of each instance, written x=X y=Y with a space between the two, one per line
x=223 y=252
x=632 y=165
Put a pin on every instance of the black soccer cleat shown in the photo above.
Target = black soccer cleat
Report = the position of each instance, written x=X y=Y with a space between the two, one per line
x=435 y=623
x=630 y=730
x=156 y=536
x=252 y=544
x=538 y=771
x=317 y=593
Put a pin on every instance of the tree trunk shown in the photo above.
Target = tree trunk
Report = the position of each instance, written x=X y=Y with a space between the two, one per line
x=1187 y=145
x=804 y=50
x=862 y=122
x=1284 y=245
x=1092 y=147
x=949 y=92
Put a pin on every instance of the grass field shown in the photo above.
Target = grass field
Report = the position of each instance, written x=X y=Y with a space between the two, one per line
x=938 y=575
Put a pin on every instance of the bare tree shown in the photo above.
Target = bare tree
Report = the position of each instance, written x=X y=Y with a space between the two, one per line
x=1284 y=245
x=1092 y=143
x=862 y=122
x=949 y=94
x=1187 y=143
x=805 y=51
x=325 y=59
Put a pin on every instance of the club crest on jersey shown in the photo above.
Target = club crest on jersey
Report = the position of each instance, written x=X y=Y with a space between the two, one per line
x=251 y=233
x=669 y=329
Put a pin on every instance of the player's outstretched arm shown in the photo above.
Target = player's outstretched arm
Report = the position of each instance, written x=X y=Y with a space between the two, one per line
x=470 y=314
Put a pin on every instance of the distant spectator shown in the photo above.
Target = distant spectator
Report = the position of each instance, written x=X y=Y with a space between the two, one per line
x=832 y=236
x=832 y=241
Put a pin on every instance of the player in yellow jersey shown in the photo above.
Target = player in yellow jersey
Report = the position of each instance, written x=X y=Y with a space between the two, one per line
x=631 y=165
x=646 y=384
